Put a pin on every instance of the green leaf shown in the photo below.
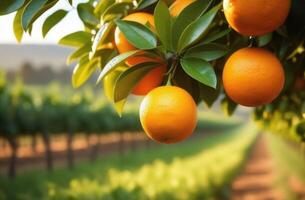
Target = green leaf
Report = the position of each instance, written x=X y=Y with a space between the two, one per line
x=109 y=83
x=9 y=6
x=209 y=95
x=31 y=9
x=78 y=53
x=145 y=3
x=207 y=52
x=200 y=70
x=211 y=37
x=129 y=79
x=264 y=40
x=85 y=13
x=196 y=29
x=70 y=2
x=102 y=6
x=76 y=39
x=18 y=30
x=228 y=106
x=83 y=70
x=52 y=20
x=105 y=55
x=187 y=16
x=115 y=62
x=101 y=36
x=49 y=4
x=137 y=34
x=163 y=24
x=116 y=11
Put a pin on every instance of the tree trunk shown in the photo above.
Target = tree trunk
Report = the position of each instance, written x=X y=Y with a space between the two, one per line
x=48 y=151
x=34 y=143
x=70 y=155
x=13 y=160
x=95 y=150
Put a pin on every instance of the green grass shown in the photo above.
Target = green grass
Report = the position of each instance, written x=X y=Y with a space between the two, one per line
x=198 y=169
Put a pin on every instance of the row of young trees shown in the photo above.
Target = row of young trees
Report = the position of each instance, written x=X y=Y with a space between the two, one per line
x=25 y=114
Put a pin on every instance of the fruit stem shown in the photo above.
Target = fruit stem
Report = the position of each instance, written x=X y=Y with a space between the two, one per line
x=253 y=41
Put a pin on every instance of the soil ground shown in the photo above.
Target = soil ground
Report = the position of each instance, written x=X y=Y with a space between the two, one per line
x=256 y=182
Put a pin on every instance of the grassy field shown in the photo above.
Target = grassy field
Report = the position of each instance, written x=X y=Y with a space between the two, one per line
x=200 y=169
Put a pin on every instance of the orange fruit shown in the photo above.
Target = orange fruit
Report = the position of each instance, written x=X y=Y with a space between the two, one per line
x=256 y=17
x=168 y=114
x=178 y=6
x=155 y=77
x=253 y=77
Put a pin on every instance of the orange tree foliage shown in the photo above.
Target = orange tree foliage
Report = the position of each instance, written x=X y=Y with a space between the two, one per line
x=194 y=42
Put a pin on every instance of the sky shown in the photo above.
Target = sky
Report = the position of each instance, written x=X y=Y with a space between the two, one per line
x=69 y=24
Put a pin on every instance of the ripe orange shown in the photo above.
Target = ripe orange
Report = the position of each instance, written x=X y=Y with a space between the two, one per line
x=253 y=77
x=168 y=114
x=256 y=17
x=178 y=6
x=154 y=77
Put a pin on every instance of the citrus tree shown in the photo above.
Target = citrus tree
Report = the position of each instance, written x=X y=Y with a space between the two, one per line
x=181 y=53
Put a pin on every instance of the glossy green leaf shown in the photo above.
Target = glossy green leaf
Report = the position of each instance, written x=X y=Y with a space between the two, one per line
x=31 y=9
x=264 y=40
x=137 y=34
x=213 y=36
x=146 y=3
x=105 y=56
x=17 y=26
x=197 y=29
x=79 y=53
x=129 y=79
x=102 y=6
x=9 y=6
x=115 y=62
x=163 y=23
x=207 y=52
x=49 y=4
x=85 y=13
x=187 y=16
x=101 y=36
x=82 y=71
x=116 y=11
x=52 y=20
x=200 y=70
x=76 y=39
x=109 y=83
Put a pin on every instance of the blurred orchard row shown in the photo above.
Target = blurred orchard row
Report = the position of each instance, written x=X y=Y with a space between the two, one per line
x=25 y=113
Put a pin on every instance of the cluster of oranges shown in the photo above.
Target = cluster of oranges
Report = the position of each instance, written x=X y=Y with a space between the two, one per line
x=251 y=76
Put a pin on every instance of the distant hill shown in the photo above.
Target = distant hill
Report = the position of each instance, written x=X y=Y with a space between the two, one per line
x=13 y=56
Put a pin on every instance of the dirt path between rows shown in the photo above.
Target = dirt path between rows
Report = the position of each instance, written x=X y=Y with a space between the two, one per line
x=256 y=182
